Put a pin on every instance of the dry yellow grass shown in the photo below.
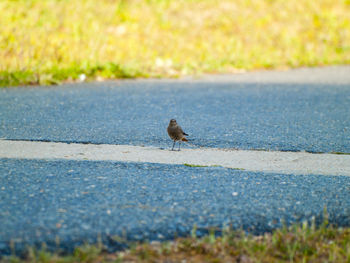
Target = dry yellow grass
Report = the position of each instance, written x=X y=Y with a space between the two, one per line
x=48 y=41
x=297 y=243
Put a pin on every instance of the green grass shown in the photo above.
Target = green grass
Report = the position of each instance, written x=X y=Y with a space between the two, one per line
x=46 y=42
x=297 y=243
x=194 y=165
x=215 y=165
x=198 y=165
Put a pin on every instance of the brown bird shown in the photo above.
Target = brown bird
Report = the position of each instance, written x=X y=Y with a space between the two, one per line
x=176 y=133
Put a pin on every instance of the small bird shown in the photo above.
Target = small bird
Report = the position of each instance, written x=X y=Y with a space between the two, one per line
x=176 y=133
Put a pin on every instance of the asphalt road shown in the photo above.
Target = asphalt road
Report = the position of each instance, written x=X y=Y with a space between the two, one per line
x=67 y=203
x=82 y=201
x=288 y=117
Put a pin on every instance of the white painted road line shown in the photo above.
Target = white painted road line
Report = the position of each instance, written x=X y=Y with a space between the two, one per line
x=264 y=161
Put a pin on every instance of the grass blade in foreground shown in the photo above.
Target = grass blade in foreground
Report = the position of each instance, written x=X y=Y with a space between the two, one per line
x=298 y=243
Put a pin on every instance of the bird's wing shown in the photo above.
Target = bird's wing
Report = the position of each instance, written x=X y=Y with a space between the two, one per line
x=183 y=132
x=180 y=129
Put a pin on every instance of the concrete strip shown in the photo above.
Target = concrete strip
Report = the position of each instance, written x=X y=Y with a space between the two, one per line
x=264 y=161
x=334 y=75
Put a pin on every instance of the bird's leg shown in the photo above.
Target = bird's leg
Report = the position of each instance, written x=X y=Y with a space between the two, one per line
x=179 y=145
x=173 y=146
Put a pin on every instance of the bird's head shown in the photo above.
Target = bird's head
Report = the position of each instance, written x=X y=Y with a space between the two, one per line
x=172 y=122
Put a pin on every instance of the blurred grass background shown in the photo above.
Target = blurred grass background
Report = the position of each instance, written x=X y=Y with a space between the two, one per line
x=46 y=42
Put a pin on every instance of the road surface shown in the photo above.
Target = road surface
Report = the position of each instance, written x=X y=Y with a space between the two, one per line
x=270 y=147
